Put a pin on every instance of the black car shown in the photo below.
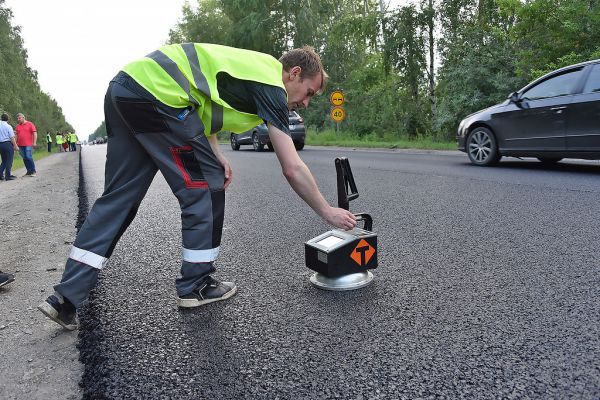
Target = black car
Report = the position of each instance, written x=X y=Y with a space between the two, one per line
x=258 y=136
x=554 y=117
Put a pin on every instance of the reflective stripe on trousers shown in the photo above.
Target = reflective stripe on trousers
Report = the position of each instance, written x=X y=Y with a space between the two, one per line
x=146 y=136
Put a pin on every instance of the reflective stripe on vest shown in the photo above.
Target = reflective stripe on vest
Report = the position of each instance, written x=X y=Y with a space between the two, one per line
x=173 y=70
x=199 y=79
x=216 y=121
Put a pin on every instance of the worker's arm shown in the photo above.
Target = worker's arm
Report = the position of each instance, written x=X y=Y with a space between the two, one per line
x=34 y=138
x=14 y=142
x=214 y=144
x=302 y=181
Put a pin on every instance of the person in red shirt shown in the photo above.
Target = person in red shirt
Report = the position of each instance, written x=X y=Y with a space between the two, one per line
x=26 y=133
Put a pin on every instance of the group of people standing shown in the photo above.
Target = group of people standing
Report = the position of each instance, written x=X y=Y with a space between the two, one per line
x=22 y=139
x=66 y=141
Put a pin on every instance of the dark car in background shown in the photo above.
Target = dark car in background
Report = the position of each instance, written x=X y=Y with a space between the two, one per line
x=554 y=117
x=258 y=136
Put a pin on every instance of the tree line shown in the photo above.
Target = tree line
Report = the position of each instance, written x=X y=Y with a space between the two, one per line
x=20 y=91
x=410 y=71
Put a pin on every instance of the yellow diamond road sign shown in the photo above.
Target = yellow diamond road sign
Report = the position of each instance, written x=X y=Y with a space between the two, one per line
x=337 y=98
x=338 y=114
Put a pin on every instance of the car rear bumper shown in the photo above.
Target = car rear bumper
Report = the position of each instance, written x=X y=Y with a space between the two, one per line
x=297 y=135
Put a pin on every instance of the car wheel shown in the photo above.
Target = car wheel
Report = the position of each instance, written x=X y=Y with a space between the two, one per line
x=482 y=147
x=299 y=145
x=258 y=146
x=270 y=146
x=549 y=160
x=234 y=143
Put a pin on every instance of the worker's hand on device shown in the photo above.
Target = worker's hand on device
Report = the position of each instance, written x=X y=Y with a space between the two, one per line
x=302 y=181
x=341 y=218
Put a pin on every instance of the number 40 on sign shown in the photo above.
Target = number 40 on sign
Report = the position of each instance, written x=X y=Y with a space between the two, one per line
x=338 y=114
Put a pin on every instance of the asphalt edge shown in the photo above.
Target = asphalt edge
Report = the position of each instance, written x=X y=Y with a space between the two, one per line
x=90 y=332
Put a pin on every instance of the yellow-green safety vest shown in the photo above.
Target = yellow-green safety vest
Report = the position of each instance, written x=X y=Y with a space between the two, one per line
x=73 y=138
x=183 y=75
x=59 y=139
x=48 y=138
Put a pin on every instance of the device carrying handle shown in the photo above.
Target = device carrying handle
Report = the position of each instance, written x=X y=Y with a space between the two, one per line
x=346 y=187
x=367 y=219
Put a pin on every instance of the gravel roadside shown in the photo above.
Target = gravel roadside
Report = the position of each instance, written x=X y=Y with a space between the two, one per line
x=38 y=359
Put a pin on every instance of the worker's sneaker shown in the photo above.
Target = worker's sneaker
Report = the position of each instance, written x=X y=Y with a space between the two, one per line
x=212 y=290
x=61 y=311
x=5 y=279
x=32 y=175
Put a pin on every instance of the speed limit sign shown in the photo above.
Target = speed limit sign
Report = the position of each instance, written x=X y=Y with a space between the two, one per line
x=337 y=114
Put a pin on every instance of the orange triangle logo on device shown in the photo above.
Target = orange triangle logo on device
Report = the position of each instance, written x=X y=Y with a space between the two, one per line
x=362 y=253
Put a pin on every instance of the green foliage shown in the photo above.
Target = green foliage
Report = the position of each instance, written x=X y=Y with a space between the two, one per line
x=99 y=132
x=553 y=33
x=19 y=88
x=394 y=86
x=207 y=24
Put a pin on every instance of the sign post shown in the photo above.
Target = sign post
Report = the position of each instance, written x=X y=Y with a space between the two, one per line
x=337 y=113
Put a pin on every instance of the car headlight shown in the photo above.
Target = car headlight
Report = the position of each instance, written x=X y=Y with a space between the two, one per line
x=461 y=127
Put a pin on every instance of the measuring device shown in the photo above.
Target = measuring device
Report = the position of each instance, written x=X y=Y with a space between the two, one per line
x=342 y=259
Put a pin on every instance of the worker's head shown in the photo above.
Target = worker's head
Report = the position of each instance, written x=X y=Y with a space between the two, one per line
x=20 y=118
x=303 y=76
x=4 y=117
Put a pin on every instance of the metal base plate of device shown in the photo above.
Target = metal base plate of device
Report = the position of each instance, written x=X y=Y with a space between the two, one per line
x=345 y=282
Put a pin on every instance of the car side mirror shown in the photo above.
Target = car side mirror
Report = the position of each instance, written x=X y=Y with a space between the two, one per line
x=514 y=97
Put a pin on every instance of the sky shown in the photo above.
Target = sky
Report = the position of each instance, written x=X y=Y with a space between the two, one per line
x=77 y=46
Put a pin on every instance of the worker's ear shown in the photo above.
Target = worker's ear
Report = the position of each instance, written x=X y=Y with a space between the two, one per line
x=295 y=72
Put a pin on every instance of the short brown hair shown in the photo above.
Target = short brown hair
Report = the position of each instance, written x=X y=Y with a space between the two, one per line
x=309 y=61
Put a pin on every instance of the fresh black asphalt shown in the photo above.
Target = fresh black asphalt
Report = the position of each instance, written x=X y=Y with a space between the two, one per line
x=488 y=287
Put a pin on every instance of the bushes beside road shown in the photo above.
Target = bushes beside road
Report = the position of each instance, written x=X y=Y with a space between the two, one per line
x=330 y=138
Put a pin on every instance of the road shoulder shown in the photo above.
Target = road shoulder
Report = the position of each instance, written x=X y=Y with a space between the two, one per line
x=39 y=359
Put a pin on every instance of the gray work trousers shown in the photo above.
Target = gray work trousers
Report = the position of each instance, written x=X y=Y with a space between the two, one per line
x=144 y=136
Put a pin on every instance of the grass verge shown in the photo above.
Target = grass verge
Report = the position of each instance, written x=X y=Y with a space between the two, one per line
x=330 y=138
x=37 y=154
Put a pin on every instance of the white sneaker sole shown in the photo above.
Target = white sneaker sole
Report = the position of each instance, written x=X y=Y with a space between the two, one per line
x=7 y=282
x=190 y=303
x=51 y=313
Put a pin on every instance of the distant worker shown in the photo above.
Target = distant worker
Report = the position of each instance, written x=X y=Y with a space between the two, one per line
x=69 y=141
x=74 y=140
x=8 y=146
x=163 y=112
x=49 y=141
x=65 y=136
x=26 y=140
x=59 y=141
